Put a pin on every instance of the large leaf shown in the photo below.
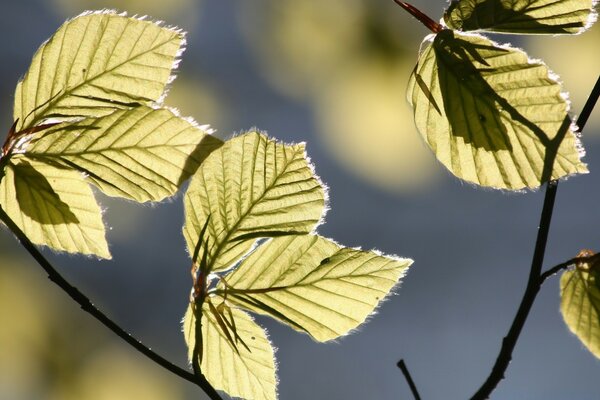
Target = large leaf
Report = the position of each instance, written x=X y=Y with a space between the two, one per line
x=491 y=115
x=251 y=187
x=246 y=371
x=95 y=63
x=313 y=284
x=142 y=154
x=521 y=16
x=580 y=303
x=53 y=207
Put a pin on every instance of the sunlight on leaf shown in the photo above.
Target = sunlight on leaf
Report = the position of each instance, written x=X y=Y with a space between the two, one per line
x=562 y=53
x=580 y=302
x=248 y=373
x=313 y=284
x=251 y=187
x=53 y=207
x=141 y=154
x=521 y=16
x=254 y=187
x=491 y=115
x=94 y=64
x=87 y=111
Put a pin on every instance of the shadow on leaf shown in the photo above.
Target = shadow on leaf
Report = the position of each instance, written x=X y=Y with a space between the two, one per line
x=37 y=199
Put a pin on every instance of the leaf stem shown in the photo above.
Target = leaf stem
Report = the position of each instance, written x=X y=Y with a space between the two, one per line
x=411 y=383
x=421 y=16
x=573 y=261
x=89 y=307
x=536 y=278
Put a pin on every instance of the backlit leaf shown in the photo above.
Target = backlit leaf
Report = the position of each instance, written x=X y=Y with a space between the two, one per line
x=580 y=304
x=521 y=16
x=251 y=187
x=53 y=207
x=95 y=63
x=313 y=284
x=142 y=154
x=491 y=115
x=243 y=372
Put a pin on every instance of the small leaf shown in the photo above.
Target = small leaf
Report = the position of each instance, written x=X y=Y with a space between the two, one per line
x=94 y=64
x=580 y=303
x=243 y=372
x=313 y=284
x=53 y=207
x=503 y=120
x=251 y=187
x=521 y=16
x=142 y=154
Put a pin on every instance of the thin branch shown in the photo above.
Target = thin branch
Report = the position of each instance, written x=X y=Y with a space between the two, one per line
x=411 y=383
x=534 y=282
x=573 y=261
x=89 y=307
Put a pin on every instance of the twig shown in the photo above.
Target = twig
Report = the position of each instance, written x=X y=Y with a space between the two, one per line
x=411 y=383
x=557 y=268
x=89 y=307
x=535 y=275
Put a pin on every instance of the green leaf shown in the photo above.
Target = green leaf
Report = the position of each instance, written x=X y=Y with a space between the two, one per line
x=142 y=154
x=248 y=373
x=491 y=115
x=521 y=16
x=580 y=304
x=53 y=207
x=94 y=64
x=313 y=284
x=251 y=187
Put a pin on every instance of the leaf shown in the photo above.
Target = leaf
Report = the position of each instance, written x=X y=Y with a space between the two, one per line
x=313 y=284
x=580 y=303
x=94 y=64
x=521 y=16
x=249 y=374
x=142 y=154
x=53 y=207
x=502 y=121
x=251 y=187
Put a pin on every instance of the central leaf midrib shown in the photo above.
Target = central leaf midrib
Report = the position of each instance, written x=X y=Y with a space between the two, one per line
x=40 y=116
x=229 y=234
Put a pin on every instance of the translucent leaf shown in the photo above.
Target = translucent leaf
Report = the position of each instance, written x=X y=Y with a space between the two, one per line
x=521 y=16
x=248 y=373
x=53 y=207
x=313 y=284
x=95 y=63
x=491 y=115
x=142 y=154
x=580 y=304
x=251 y=187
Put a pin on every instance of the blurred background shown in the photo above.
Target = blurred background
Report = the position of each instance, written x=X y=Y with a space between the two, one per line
x=331 y=73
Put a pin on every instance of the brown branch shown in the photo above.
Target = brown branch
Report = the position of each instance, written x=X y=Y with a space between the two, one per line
x=411 y=383
x=89 y=307
x=536 y=277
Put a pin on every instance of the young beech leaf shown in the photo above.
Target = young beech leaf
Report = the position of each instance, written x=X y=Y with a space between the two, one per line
x=142 y=154
x=521 y=16
x=251 y=187
x=53 y=207
x=580 y=303
x=313 y=284
x=88 y=109
x=242 y=371
x=94 y=64
x=491 y=115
